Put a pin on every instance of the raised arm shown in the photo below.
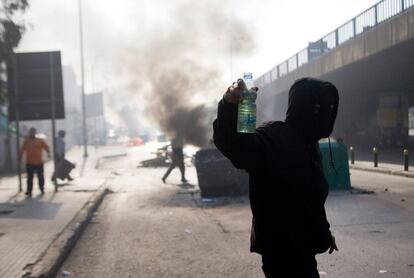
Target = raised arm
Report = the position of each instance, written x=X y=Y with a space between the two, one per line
x=243 y=149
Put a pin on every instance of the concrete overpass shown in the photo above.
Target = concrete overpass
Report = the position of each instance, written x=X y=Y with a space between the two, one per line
x=371 y=61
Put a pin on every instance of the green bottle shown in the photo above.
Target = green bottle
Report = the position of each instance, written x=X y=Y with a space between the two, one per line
x=246 y=118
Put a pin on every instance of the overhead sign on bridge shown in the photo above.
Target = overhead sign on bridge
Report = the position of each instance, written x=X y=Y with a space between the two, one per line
x=94 y=105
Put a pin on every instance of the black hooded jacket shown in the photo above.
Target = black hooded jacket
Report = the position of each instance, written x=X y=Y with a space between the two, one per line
x=287 y=185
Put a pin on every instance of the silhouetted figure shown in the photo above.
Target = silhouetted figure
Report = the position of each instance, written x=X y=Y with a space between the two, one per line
x=60 y=154
x=177 y=158
x=287 y=185
x=33 y=148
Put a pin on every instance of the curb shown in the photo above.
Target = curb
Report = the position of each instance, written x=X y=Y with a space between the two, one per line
x=100 y=160
x=383 y=171
x=49 y=263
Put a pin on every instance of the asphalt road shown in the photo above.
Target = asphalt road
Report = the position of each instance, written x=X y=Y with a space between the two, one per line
x=145 y=228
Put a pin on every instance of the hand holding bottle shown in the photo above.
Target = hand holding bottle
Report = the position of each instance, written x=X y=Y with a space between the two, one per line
x=235 y=91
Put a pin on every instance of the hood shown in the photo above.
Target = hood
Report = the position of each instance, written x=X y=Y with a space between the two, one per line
x=312 y=109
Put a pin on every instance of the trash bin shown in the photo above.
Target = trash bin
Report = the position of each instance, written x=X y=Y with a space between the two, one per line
x=340 y=180
x=217 y=176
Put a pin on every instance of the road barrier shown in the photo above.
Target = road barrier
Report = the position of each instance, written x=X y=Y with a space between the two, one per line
x=406 y=160
x=352 y=152
x=375 y=153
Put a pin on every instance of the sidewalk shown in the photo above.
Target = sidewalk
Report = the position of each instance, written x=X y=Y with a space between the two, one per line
x=29 y=226
x=384 y=168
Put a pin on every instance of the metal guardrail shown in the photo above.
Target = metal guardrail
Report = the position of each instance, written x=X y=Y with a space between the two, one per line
x=366 y=20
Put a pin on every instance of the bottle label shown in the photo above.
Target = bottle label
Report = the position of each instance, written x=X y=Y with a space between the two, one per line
x=246 y=120
x=251 y=119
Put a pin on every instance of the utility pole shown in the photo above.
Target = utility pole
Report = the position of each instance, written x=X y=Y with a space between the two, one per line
x=85 y=134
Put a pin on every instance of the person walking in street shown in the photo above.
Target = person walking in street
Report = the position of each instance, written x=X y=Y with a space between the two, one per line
x=177 y=158
x=287 y=187
x=60 y=154
x=33 y=148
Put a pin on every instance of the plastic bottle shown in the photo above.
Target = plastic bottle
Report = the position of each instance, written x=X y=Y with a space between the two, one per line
x=246 y=118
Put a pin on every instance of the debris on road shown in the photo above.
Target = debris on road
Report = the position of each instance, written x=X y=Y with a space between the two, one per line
x=5 y=212
x=65 y=273
x=162 y=158
x=376 y=231
x=382 y=271
x=208 y=200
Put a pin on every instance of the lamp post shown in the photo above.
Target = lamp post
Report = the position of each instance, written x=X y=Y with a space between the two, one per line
x=85 y=135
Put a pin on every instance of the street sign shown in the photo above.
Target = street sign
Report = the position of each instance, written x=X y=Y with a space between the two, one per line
x=34 y=79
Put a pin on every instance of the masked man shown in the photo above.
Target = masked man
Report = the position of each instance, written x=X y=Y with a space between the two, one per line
x=287 y=185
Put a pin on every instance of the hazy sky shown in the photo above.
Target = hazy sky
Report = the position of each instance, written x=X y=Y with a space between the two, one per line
x=280 y=28
x=124 y=37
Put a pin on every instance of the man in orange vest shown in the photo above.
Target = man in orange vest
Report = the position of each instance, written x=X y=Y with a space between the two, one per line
x=34 y=163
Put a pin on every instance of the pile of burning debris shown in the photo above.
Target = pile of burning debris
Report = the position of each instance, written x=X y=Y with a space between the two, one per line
x=163 y=158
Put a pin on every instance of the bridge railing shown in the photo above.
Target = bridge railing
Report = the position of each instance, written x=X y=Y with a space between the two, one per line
x=366 y=20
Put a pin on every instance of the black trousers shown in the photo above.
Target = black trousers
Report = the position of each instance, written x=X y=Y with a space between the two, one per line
x=279 y=266
x=177 y=160
x=31 y=169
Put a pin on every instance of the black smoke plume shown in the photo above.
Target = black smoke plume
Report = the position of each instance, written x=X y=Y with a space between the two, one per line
x=180 y=66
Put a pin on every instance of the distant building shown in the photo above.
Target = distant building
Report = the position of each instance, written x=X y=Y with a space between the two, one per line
x=95 y=118
x=73 y=106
